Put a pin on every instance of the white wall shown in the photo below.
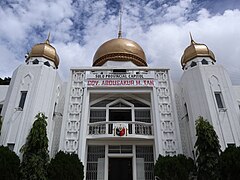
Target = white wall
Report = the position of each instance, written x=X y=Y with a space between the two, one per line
x=197 y=87
x=43 y=87
x=3 y=92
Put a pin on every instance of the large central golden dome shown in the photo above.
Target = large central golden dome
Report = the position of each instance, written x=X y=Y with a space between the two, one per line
x=120 y=49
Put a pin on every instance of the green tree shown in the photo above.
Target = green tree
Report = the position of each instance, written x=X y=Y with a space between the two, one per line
x=230 y=163
x=207 y=151
x=9 y=164
x=35 y=151
x=5 y=81
x=174 y=168
x=65 y=166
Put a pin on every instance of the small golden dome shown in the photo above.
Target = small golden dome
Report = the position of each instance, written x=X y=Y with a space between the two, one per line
x=196 y=50
x=120 y=49
x=45 y=50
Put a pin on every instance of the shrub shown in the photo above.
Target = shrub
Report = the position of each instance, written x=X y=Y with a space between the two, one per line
x=9 y=164
x=65 y=166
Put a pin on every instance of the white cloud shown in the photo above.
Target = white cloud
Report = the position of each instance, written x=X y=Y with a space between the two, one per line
x=11 y=27
x=203 y=14
x=166 y=42
x=161 y=31
x=18 y=22
x=176 y=12
x=71 y=55
x=8 y=62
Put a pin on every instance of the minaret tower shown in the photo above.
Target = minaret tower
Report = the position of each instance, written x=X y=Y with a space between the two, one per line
x=206 y=90
x=34 y=88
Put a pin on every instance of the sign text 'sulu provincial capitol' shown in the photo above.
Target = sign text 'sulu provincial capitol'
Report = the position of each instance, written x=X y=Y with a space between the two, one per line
x=120 y=114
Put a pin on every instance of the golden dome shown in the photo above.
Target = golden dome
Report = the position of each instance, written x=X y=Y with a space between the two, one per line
x=45 y=50
x=120 y=49
x=196 y=50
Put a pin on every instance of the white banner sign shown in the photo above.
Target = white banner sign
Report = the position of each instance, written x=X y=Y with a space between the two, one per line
x=121 y=82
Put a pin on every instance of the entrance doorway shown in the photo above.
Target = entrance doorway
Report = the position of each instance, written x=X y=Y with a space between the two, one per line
x=120 y=169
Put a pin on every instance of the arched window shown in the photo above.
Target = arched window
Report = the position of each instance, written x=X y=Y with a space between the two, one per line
x=25 y=85
x=22 y=100
x=219 y=100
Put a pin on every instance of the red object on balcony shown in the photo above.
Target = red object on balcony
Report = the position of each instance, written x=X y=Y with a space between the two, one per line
x=120 y=131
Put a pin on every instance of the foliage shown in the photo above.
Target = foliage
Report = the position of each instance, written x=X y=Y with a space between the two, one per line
x=65 y=167
x=35 y=151
x=207 y=151
x=9 y=164
x=5 y=81
x=230 y=163
x=174 y=168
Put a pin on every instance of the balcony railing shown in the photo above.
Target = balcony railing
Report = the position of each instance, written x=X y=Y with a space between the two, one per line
x=116 y=128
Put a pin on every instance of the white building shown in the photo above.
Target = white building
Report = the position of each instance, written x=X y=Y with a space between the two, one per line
x=120 y=114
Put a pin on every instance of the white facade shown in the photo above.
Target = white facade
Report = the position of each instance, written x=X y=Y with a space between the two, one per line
x=120 y=114
x=3 y=93
x=41 y=85
x=198 y=90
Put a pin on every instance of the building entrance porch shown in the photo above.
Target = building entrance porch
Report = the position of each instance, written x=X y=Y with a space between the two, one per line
x=120 y=162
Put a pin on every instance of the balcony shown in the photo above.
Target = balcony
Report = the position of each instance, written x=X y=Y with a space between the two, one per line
x=120 y=129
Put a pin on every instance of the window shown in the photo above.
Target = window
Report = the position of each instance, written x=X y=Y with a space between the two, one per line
x=193 y=64
x=95 y=162
x=1 y=108
x=120 y=149
x=204 y=61
x=47 y=63
x=143 y=115
x=186 y=111
x=54 y=109
x=119 y=70
x=120 y=115
x=97 y=115
x=116 y=110
x=35 y=61
x=22 y=100
x=145 y=162
x=218 y=96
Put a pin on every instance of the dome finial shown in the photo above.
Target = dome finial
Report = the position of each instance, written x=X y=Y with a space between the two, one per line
x=192 y=41
x=120 y=22
x=48 y=38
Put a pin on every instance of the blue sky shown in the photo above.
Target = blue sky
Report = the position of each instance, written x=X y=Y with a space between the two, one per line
x=161 y=27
